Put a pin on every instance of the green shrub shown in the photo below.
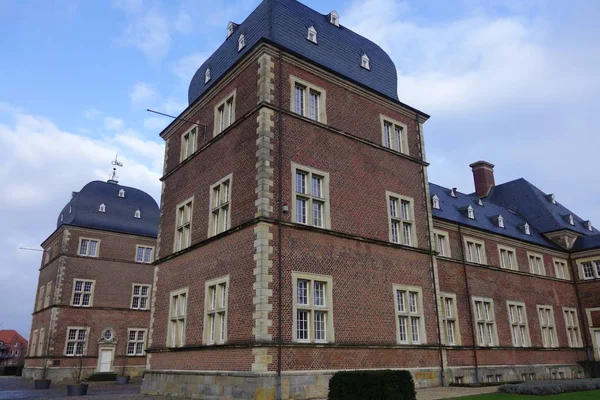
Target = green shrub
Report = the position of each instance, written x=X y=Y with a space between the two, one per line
x=372 y=385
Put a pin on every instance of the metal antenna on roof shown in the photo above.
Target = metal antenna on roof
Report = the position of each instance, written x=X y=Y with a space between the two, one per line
x=116 y=163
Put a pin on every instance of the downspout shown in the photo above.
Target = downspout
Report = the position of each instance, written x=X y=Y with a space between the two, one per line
x=580 y=311
x=464 y=264
x=279 y=220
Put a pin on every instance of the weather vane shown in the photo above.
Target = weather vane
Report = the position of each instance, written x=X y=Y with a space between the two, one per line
x=116 y=163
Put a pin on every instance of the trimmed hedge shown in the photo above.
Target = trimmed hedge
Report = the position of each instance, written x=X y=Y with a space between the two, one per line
x=544 y=388
x=11 y=370
x=372 y=385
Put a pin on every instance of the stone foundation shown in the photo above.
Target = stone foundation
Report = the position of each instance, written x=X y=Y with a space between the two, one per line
x=59 y=374
x=510 y=373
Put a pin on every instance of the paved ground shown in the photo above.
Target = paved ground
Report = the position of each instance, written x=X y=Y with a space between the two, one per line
x=20 y=388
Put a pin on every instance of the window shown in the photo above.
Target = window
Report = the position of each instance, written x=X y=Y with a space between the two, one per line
x=33 y=344
x=485 y=321
x=188 y=143
x=435 y=202
x=394 y=134
x=136 y=342
x=102 y=208
x=588 y=226
x=442 y=243
x=137 y=214
x=508 y=259
x=47 y=255
x=121 y=193
x=401 y=217
x=499 y=220
x=526 y=228
x=364 y=62
x=470 y=212
x=76 y=344
x=215 y=315
x=40 y=298
x=144 y=254
x=207 y=75
x=313 y=315
x=220 y=207
x=225 y=113
x=560 y=269
x=548 y=326
x=311 y=197
x=450 y=319
x=48 y=290
x=88 y=247
x=230 y=28
x=241 y=42
x=572 y=325
x=536 y=263
x=475 y=251
x=312 y=34
x=183 y=223
x=410 y=325
x=177 y=313
x=589 y=269
x=571 y=219
x=83 y=293
x=307 y=100
x=517 y=317
x=139 y=297
x=334 y=18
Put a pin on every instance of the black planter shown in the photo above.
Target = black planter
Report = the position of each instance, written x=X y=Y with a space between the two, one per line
x=77 y=390
x=122 y=380
x=42 y=383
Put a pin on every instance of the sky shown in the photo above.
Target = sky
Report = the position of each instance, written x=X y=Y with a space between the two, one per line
x=515 y=83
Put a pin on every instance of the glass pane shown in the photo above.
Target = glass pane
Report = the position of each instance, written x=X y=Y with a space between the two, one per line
x=319 y=293
x=302 y=292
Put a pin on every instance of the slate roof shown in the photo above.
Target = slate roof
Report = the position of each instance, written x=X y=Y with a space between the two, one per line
x=451 y=210
x=285 y=23
x=119 y=215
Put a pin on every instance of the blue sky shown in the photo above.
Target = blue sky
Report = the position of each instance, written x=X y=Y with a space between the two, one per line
x=512 y=82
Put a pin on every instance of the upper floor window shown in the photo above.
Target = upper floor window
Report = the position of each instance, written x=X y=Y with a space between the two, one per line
x=207 y=75
x=308 y=100
x=136 y=342
x=560 y=269
x=590 y=269
x=215 y=315
x=225 y=113
x=499 y=221
x=76 y=343
x=144 y=254
x=536 y=264
x=364 y=62
x=311 y=197
x=517 y=316
x=313 y=310
x=475 y=251
x=548 y=326
x=48 y=291
x=572 y=325
x=183 y=225
x=508 y=258
x=401 y=217
x=88 y=247
x=220 y=207
x=40 y=298
x=188 y=143
x=83 y=293
x=442 y=243
x=177 y=316
x=588 y=226
x=435 y=202
x=241 y=42
x=394 y=135
x=450 y=319
x=485 y=321
x=121 y=193
x=47 y=255
x=410 y=324
x=312 y=34
x=139 y=297
x=102 y=208
x=526 y=229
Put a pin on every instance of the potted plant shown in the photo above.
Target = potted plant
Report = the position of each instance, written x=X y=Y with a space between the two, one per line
x=77 y=389
x=123 y=378
x=43 y=382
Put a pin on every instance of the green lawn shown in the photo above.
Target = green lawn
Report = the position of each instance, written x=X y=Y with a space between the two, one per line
x=587 y=395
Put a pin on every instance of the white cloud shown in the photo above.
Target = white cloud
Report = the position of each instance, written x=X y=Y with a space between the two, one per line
x=174 y=106
x=113 y=124
x=7 y=108
x=149 y=32
x=142 y=94
x=183 y=22
x=91 y=113
x=186 y=67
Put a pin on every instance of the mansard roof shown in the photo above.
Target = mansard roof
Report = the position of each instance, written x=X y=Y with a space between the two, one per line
x=285 y=23
x=83 y=210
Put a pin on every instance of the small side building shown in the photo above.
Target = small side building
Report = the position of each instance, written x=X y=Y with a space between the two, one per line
x=13 y=347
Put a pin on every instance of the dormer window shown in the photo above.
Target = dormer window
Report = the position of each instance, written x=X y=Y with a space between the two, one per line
x=230 y=28
x=479 y=202
x=121 y=193
x=588 y=226
x=552 y=198
x=241 y=42
x=102 y=208
x=500 y=221
x=312 y=34
x=571 y=219
x=525 y=228
x=365 y=62
x=435 y=202
x=334 y=18
x=207 y=75
x=61 y=217
x=69 y=209
x=469 y=211
x=453 y=192
x=137 y=214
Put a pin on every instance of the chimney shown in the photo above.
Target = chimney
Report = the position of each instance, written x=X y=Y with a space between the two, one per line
x=483 y=175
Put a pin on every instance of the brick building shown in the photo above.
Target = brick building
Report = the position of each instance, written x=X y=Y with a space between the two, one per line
x=93 y=295
x=299 y=234
x=13 y=347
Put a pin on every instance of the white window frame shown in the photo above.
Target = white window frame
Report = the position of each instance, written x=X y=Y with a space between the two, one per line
x=449 y=311
x=561 y=264
x=475 y=257
x=510 y=262
x=311 y=35
x=33 y=343
x=309 y=197
x=334 y=18
x=391 y=138
x=365 y=62
x=547 y=325
x=189 y=141
x=399 y=221
x=177 y=320
x=145 y=248
x=219 y=210
x=47 y=255
x=207 y=75
x=241 y=41
x=443 y=238
x=519 y=325
x=216 y=300
x=83 y=292
x=87 y=253
x=594 y=263
x=140 y=296
x=85 y=341
x=304 y=109
x=40 y=347
x=102 y=208
x=435 y=202
x=536 y=263
x=136 y=341
x=183 y=226
x=40 y=298
x=225 y=113
x=405 y=312
x=121 y=193
x=485 y=318
x=572 y=327
x=137 y=214
x=47 y=294
x=312 y=309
